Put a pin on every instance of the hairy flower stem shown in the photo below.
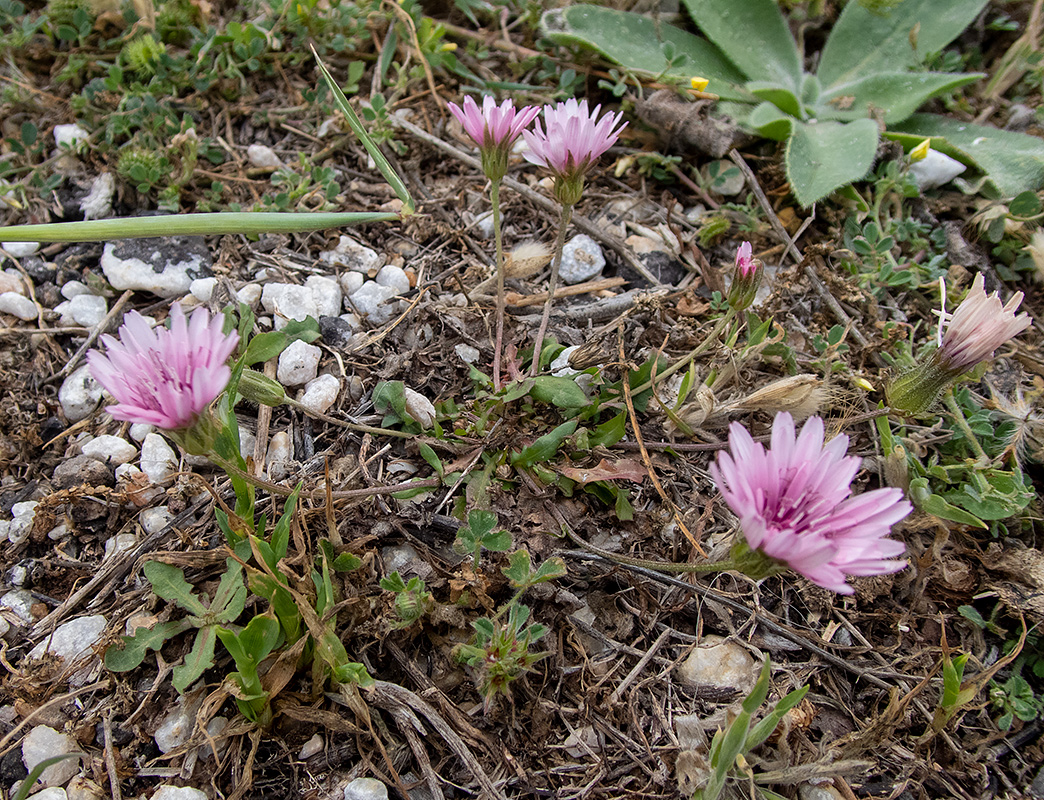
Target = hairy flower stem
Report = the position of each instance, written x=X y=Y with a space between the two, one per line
x=958 y=416
x=567 y=214
x=709 y=342
x=494 y=199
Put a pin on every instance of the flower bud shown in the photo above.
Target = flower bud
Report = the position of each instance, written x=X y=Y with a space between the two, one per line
x=261 y=389
x=745 y=280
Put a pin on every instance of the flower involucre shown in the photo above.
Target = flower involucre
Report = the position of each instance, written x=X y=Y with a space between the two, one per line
x=165 y=377
x=794 y=506
x=979 y=326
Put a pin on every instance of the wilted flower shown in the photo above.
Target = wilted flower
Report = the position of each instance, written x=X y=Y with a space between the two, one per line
x=165 y=377
x=979 y=326
x=573 y=140
x=746 y=279
x=795 y=510
x=494 y=129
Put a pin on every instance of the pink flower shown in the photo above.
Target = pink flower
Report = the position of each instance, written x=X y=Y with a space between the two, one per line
x=746 y=279
x=745 y=260
x=979 y=326
x=494 y=129
x=572 y=142
x=793 y=504
x=165 y=377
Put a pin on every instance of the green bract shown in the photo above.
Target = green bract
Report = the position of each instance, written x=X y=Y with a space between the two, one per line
x=869 y=73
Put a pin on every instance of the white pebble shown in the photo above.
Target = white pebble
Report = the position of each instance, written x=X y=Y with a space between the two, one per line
x=19 y=603
x=155 y=519
x=351 y=281
x=69 y=136
x=298 y=363
x=327 y=295
x=97 y=203
x=178 y=793
x=260 y=155
x=371 y=301
x=158 y=460
x=11 y=282
x=365 y=789
x=321 y=393
x=203 y=289
x=72 y=288
x=312 y=747
x=44 y=742
x=278 y=456
x=87 y=309
x=177 y=725
x=23 y=515
x=287 y=301
x=71 y=639
x=110 y=449
x=420 y=408
x=582 y=259
x=139 y=430
x=467 y=353
x=167 y=272
x=79 y=395
x=352 y=254
x=249 y=294
x=120 y=543
x=721 y=663
x=5 y=529
x=58 y=532
x=394 y=278
x=20 y=249
x=51 y=793
x=18 y=305
x=81 y=788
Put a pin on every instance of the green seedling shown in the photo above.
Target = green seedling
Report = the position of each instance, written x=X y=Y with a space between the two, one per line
x=870 y=71
x=1014 y=699
x=478 y=535
x=169 y=583
x=730 y=748
x=956 y=694
x=412 y=600
x=248 y=647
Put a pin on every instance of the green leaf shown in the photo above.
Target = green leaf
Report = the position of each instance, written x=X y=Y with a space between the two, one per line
x=307 y=330
x=550 y=570
x=781 y=97
x=822 y=157
x=498 y=542
x=543 y=448
x=610 y=432
x=230 y=597
x=481 y=522
x=936 y=506
x=432 y=459
x=754 y=36
x=132 y=650
x=752 y=702
x=169 y=583
x=641 y=44
x=199 y=659
x=559 y=391
x=768 y=120
x=864 y=43
x=393 y=583
x=280 y=540
x=519 y=569
x=34 y=775
x=265 y=346
x=390 y=397
x=899 y=94
x=1026 y=204
x=993 y=494
x=346 y=562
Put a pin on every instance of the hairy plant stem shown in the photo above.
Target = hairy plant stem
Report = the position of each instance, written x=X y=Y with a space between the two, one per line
x=494 y=199
x=567 y=213
x=958 y=416
x=711 y=340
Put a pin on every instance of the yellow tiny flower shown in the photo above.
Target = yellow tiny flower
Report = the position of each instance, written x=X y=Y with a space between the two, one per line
x=920 y=152
x=449 y=46
x=863 y=384
x=699 y=84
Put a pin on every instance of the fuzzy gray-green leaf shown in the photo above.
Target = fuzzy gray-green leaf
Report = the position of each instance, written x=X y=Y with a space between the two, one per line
x=824 y=156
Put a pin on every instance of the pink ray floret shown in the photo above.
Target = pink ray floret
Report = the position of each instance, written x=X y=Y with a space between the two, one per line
x=165 y=377
x=745 y=259
x=979 y=326
x=793 y=502
x=572 y=139
x=493 y=125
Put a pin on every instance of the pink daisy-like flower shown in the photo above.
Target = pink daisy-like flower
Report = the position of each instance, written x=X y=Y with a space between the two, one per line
x=979 y=326
x=571 y=141
x=746 y=279
x=494 y=129
x=794 y=506
x=745 y=259
x=165 y=377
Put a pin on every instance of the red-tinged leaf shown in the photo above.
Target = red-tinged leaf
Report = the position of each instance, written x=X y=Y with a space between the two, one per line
x=624 y=469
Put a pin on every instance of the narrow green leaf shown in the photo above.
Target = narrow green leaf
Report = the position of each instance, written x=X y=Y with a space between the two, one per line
x=230 y=597
x=199 y=659
x=264 y=346
x=757 y=695
x=936 y=506
x=824 y=156
x=545 y=447
x=559 y=391
x=34 y=775
x=393 y=583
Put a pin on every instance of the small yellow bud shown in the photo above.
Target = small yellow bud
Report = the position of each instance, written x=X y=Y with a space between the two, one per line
x=920 y=152
x=699 y=84
x=863 y=384
x=449 y=47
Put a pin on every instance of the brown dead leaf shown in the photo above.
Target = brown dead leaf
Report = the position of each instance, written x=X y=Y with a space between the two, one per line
x=624 y=469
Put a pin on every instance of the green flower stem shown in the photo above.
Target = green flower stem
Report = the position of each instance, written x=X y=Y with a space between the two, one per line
x=248 y=222
x=958 y=416
x=494 y=199
x=710 y=341
x=567 y=213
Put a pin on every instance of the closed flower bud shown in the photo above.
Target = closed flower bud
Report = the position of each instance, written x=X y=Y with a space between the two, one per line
x=745 y=280
x=261 y=389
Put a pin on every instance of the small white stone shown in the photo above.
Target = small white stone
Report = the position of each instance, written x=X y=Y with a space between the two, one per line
x=87 y=309
x=352 y=319
x=371 y=301
x=97 y=203
x=166 y=274
x=560 y=366
x=155 y=519
x=278 y=456
x=21 y=525
x=420 y=408
x=59 y=532
x=72 y=288
x=249 y=294
x=69 y=136
x=18 y=305
x=320 y=394
x=352 y=254
x=5 y=627
x=721 y=663
x=203 y=288
x=5 y=529
x=484 y=225
x=178 y=723
x=158 y=460
x=394 y=278
x=260 y=155
x=215 y=728
x=298 y=363
x=327 y=294
x=120 y=543
x=247 y=442
x=139 y=430
x=20 y=249
x=19 y=603
x=397 y=557
x=178 y=793
x=935 y=169
x=351 y=281
x=312 y=747
x=365 y=789
x=287 y=301
x=71 y=639
x=79 y=395
x=110 y=449
x=11 y=283
x=582 y=259
x=44 y=742
x=467 y=353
